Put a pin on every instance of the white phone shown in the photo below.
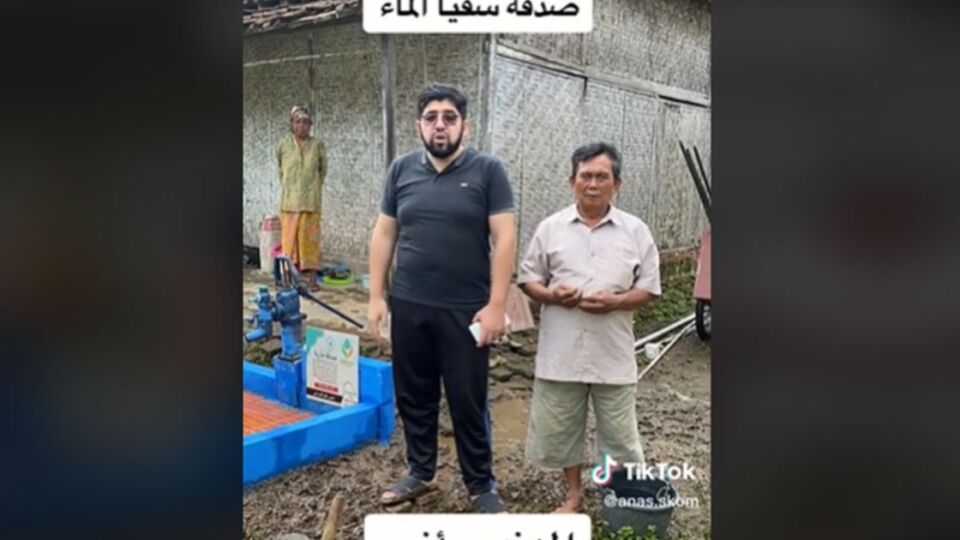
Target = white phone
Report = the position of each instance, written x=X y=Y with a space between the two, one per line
x=475 y=328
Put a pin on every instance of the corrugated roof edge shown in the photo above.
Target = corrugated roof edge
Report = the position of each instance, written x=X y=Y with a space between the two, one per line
x=267 y=15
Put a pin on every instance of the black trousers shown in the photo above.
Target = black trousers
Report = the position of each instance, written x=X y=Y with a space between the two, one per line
x=431 y=345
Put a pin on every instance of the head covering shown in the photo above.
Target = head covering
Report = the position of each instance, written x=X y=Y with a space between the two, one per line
x=300 y=112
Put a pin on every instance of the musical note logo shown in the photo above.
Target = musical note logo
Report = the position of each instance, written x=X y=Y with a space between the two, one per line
x=603 y=473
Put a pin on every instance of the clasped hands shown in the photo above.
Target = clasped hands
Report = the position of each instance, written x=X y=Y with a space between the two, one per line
x=596 y=302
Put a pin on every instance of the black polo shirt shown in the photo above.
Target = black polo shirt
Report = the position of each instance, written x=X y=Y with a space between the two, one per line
x=443 y=244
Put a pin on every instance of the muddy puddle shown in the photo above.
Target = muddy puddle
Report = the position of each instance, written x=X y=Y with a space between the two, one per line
x=508 y=418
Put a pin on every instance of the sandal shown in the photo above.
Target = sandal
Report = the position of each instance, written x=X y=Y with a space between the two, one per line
x=407 y=488
x=489 y=503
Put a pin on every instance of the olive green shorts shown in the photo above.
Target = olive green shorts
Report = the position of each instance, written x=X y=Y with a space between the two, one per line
x=558 y=420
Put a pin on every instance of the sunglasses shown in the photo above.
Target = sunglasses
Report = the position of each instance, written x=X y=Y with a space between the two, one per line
x=449 y=118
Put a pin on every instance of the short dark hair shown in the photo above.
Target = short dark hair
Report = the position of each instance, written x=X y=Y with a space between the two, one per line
x=592 y=150
x=442 y=92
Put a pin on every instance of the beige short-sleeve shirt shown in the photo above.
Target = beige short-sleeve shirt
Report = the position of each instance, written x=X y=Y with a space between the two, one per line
x=616 y=256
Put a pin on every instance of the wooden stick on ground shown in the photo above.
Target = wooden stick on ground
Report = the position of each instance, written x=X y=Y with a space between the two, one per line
x=333 y=518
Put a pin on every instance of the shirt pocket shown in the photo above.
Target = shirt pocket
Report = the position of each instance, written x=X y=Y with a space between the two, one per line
x=618 y=265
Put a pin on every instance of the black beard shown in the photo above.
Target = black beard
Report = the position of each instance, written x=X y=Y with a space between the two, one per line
x=442 y=153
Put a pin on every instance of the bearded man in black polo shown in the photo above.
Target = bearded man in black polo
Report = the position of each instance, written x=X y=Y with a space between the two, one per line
x=441 y=207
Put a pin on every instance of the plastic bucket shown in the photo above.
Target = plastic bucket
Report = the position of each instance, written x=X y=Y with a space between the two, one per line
x=269 y=242
x=622 y=506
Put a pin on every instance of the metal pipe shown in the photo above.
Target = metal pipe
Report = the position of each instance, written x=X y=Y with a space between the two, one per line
x=703 y=174
x=704 y=199
x=663 y=353
x=256 y=334
x=663 y=331
x=330 y=308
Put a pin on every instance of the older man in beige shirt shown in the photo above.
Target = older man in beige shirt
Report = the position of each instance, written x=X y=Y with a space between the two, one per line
x=590 y=266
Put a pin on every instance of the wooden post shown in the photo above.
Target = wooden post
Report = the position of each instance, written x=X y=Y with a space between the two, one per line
x=388 y=86
x=489 y=100
x=333 y=518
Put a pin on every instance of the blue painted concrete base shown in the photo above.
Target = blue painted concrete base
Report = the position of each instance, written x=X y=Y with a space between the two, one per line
x=289 y=380
x=331 y=432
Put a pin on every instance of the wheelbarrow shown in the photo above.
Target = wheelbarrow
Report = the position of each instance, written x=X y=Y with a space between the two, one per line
x=701 y=286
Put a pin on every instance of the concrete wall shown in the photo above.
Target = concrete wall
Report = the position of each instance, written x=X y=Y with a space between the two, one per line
x=342 y=79
x=342 y=82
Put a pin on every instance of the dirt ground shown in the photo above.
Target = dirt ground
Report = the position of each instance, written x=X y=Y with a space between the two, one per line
x=673 y=409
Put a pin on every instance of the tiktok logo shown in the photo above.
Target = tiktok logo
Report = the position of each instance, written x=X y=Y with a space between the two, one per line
x=602 y=474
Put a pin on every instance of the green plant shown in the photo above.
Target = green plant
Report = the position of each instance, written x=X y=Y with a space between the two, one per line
x=601 y=531
x=258 y=354
x=675 y=303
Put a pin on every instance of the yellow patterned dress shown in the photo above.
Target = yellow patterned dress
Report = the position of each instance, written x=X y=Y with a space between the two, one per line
x=303 y=168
